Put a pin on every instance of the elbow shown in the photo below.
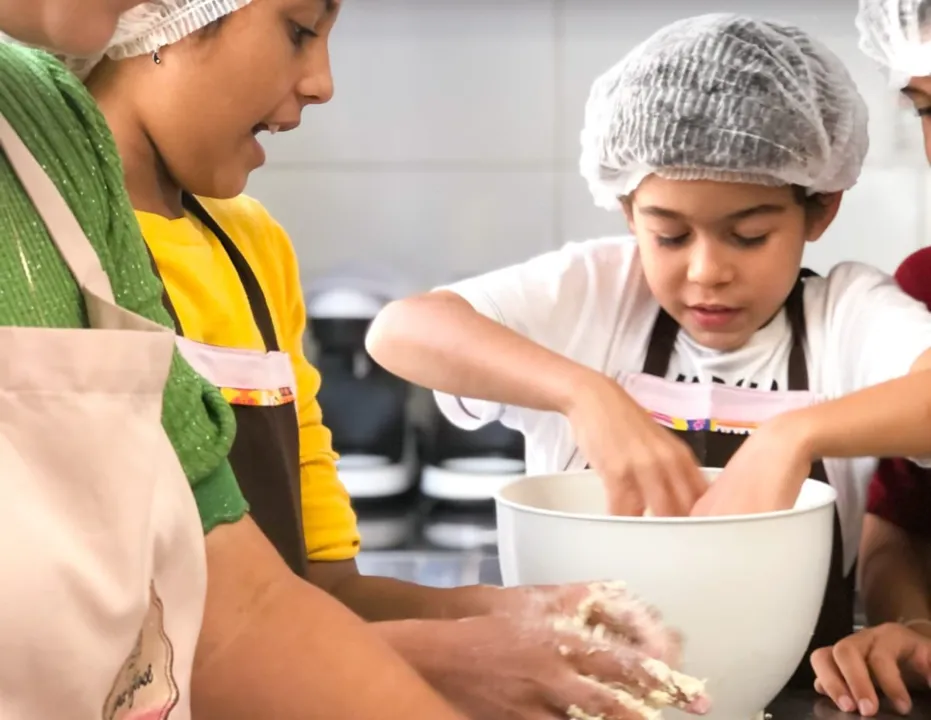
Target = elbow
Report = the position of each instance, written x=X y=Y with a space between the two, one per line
x=384 y=337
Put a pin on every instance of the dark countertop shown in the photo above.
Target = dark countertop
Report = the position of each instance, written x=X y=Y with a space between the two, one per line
x=808 y=705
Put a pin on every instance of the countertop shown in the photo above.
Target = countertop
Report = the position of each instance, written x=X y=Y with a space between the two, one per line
x=808 y=705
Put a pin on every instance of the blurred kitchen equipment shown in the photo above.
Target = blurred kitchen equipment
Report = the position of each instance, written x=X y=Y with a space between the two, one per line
x=467 y=466
x=745 y=591
x=365 y=407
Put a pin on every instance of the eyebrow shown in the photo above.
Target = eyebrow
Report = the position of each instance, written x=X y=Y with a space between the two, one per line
x=764 y=209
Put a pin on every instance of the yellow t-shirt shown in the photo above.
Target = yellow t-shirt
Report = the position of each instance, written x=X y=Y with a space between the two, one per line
x=212 y=307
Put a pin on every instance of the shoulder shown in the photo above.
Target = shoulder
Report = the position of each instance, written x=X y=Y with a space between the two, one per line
x=251 y=226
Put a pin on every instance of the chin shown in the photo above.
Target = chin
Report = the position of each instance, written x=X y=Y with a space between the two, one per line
x=720 y=341
x=224 y=186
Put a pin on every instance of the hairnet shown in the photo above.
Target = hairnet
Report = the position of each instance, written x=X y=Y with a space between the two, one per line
x=729 y=98
x=896 y=34
x=152 y=25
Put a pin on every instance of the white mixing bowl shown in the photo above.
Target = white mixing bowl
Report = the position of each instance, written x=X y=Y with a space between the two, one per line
x=745 y=591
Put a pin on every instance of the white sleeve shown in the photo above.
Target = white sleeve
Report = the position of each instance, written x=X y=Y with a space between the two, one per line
x=876 y=331
x=557 y=300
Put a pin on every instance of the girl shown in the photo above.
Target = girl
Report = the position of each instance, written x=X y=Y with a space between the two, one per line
x=727 y=143
x=232 y=285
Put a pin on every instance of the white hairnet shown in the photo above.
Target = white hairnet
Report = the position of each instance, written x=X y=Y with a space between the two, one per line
x=895 y=33
x=152 y=25
x=724 y=97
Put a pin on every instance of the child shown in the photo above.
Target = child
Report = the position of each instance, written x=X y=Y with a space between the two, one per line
x=895 y=652
x=728 y=143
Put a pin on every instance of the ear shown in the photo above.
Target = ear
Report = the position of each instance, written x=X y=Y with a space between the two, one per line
x=820 y=213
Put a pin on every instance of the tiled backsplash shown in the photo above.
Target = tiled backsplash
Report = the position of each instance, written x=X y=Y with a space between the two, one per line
x=450 y=146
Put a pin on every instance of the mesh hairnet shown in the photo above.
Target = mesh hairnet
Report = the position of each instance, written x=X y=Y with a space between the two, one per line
x=897 y=33
x=152 y=25
x=724 y=97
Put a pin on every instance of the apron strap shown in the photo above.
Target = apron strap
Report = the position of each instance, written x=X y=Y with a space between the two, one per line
x=795 y=311
x=662 y=342
x=250 y=283
x=63 y=228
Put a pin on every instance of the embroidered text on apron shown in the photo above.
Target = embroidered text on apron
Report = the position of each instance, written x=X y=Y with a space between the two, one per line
x=101 y=540
x=266 y=452
x=714 y=449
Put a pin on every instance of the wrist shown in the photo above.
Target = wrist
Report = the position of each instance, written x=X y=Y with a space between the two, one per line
x=580 y=387
x=922 y=626
x=797 y=432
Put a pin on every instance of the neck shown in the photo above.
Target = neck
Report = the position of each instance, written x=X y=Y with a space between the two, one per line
x=150 y=185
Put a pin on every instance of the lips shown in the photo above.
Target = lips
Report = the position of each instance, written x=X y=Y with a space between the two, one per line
x=711 y=317
x=266 y=127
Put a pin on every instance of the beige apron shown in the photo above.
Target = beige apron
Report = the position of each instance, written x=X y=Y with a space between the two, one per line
x=100 y=540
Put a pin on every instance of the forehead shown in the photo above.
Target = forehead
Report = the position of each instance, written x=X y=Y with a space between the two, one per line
x=707 y=198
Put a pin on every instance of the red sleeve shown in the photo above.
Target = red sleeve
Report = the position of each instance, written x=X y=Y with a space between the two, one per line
x=900 y=491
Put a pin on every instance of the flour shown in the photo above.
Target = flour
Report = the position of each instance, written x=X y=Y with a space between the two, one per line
x=675 y=688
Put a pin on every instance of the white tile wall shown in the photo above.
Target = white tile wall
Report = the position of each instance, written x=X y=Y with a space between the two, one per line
x=450 y=146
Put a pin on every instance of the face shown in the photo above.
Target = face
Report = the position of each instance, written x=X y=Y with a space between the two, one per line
x=76 y=27
x=918 y=92
x=205 y=105
x=719 y=257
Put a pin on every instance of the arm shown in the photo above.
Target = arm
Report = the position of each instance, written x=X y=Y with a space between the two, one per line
x=439 y=341
x=887 y=420
x=894 y=574
x=274 y=646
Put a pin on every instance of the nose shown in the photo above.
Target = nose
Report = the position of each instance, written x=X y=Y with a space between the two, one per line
x=316 y=83
x=708 y=264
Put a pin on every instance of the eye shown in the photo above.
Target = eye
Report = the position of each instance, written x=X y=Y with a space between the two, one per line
x=749 y=242
x=672 y=242
x=923 y=112
x=300 y=34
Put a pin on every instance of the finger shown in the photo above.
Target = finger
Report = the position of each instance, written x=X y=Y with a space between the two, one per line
x=850 y=660
x=884 y=664
x=624 y=497
x=654 y=478
x=638 y=625
x=643 y=678
x=586 y=699
x=690 y=482
x=831 y=680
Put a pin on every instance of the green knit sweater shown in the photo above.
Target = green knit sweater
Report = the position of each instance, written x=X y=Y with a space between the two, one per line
x=59 y=122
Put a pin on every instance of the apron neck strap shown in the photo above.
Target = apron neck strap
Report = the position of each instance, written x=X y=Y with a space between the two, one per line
x=665 y=331
x=63 y=228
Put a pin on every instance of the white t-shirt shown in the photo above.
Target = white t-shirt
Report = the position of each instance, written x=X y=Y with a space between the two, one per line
x=590 y=302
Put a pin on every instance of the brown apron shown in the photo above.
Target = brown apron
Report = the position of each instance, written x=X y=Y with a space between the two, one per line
x=715 y=449
x=266 y=452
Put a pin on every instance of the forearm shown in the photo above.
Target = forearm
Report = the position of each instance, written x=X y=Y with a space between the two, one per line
x=274 y=646
x=380 y=599
x=893 y=574
x=892 y=419
x=439 y=341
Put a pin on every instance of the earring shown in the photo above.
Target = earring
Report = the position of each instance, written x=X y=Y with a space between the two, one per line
x=156 y=58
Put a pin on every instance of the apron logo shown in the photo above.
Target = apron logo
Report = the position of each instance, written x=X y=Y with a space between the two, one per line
x=145 y=687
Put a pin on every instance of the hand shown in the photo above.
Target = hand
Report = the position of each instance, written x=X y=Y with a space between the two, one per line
x=547 y=653
x=641 y=462
x=886 y=653
x=766 y=474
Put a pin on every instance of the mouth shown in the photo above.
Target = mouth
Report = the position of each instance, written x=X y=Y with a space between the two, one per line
x=712 y=317
x=270 y=128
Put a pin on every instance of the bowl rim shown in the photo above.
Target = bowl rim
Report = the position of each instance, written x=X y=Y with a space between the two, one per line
x=500 y=500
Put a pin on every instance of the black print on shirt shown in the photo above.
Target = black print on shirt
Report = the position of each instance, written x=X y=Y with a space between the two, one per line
x=774 y=387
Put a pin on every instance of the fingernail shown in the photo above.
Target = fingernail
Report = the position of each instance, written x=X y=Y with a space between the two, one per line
x=903 y=707
x=846 y=704
x=699 y=706
x=867 y=707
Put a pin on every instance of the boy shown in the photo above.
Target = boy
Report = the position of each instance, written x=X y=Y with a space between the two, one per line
x=728 y=143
